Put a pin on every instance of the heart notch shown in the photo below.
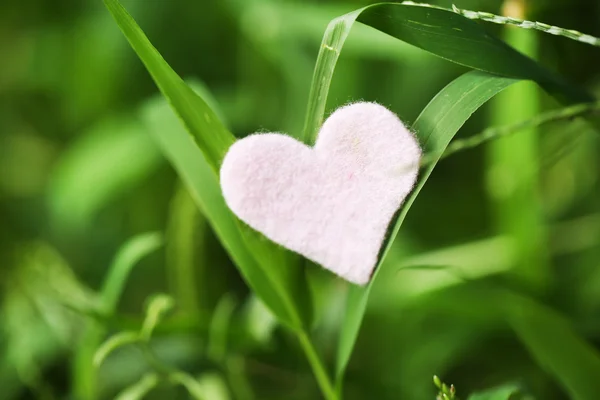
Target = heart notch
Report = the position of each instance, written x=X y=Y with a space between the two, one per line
x=331 y=203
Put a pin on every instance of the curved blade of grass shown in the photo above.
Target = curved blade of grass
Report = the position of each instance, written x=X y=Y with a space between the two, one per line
x=210 y=135
x=140 y=389
x=272 y=272
x=455 y=38
x=113 y=343
x=439 y=31
x=504 y=392
x=556 y=347
x=277 y=284
x=127 y=258
x=278 y=280
x=84 y=372
x=518 y=212
x=85 y=179
x=435 y=127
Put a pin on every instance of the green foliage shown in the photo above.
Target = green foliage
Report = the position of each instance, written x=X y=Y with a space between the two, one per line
x=158 y=305
x=445 y=392
x=140 y=389
x=504 y=392
x=127 y=258
x=271 y=271
x=437 y=31
x=212 y=138
x=554 y=30
x=483 y=288
x=86 y=178
x=553 y=343
x=435 y=127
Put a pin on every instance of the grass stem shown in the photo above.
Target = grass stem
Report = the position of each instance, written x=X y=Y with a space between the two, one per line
x=318 y=368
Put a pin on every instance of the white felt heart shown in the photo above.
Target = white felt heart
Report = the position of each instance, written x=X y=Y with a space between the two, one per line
x=331 y=203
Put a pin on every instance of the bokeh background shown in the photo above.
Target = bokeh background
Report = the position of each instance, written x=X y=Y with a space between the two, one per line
x=80 y=176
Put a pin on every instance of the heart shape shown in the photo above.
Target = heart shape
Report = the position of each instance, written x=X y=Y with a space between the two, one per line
x=331 y=203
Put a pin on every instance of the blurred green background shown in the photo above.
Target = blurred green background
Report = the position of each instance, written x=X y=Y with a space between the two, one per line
x=80 y=176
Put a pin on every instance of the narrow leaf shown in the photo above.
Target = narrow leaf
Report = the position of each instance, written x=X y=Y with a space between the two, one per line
x=157 y=307
x=127 y=257
x=210 y=135
x=195 y=389
x=280 y=284
x=504 y=392
x=273 y=273
x=112 y=344
x=84 y=373
x=85 y=179
x=435 y=127
x=447 y=35
x=553 y=343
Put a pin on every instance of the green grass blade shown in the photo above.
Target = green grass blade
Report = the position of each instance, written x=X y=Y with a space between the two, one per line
x=276 y=279
x=512 y=171
x=140 y=389
x=185 y=243
x=127 y=257
x=85 y=180
x=556 y=347
x=273 y=273
x=439 y=31
x=504 y=392
x=113 y=343
x=204 y=125
x=84 y=372
x=435 y=127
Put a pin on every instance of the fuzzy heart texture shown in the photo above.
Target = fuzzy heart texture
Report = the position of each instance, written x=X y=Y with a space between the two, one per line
x=331 y=203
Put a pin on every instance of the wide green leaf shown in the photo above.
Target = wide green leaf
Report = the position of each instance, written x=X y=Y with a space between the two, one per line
x=439 y=31
x=273 y=273
x=435 y=128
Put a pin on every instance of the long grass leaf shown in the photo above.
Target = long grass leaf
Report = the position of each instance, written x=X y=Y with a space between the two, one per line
x=273 y=273
x=280 y=283
x=439 y=31
x=204 y=125
x=435 y=127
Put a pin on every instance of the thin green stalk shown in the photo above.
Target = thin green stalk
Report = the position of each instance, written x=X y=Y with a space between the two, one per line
x=521 y=23
x=493 y=133
x=317 y=366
